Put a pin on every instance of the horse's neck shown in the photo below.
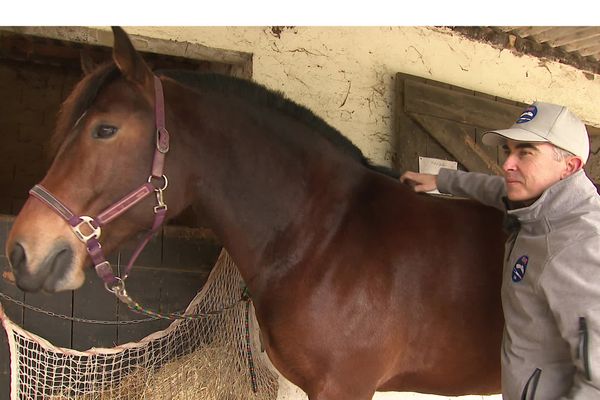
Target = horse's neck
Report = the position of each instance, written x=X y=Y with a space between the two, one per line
x=260 y=188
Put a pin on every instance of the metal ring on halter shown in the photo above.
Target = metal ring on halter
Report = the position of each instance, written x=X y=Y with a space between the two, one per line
x=164 y=177
x=118 y=288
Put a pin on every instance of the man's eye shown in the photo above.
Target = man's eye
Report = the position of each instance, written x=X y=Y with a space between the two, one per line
x=104 y=132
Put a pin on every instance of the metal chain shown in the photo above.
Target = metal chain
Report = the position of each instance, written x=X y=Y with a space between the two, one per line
x=75 y=319
x=132 y=305
x=120 y=292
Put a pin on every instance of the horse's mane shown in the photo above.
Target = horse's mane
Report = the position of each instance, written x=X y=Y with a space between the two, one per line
x=86 y=90
x=259 y=94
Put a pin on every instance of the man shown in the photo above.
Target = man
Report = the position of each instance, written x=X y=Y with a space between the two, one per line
x=551 y=277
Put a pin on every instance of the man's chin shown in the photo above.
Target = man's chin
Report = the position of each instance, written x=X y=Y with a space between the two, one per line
x=520 y=200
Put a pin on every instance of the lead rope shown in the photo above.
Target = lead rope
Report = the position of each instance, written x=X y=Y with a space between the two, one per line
x=136 y=307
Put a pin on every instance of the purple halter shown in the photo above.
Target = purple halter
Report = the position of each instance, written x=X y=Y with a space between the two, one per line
x=94 y=225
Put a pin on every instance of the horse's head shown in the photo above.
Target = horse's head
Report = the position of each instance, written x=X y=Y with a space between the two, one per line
x=105 y=140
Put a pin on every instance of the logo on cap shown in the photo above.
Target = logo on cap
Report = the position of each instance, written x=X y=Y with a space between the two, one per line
x=527 y=115
x=518 y=272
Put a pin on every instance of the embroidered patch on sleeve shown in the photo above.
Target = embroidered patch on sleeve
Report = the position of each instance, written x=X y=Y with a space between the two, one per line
x=518 y=272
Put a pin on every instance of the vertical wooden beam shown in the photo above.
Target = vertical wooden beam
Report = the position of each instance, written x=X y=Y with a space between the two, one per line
x=410 y=142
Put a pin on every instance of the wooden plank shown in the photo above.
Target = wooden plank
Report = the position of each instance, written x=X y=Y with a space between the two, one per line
x=435 y=150
x=189 y=249
x=151 y=256
x=460 y=107
x=6 y=222
x=592 y=131
x=522 y=106
x=458 y=89
x=481 y=110
x=104 y=38
x=591 y=50
x=13 y=311
x=492 y=151
x=458 y=140
x=93 y=301
x=485 y=95
x=525 y=31
x=4 y=367
x=179 y=288
x=56 y=330
x=575 y=36
x=144 y=286
x=559 y=36
x=592 y=167
x=409 y=141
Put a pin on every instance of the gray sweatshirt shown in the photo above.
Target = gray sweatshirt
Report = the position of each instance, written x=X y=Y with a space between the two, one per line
x=550 y=289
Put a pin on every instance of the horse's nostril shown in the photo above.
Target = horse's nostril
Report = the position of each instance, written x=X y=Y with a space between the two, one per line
x=17 y=258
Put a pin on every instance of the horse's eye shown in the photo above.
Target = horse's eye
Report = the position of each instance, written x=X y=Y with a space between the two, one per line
x=104 y=132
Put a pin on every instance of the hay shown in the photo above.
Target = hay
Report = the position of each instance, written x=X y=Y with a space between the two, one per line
x=207 y=374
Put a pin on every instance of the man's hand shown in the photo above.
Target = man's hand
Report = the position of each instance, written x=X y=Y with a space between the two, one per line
x=419 y=182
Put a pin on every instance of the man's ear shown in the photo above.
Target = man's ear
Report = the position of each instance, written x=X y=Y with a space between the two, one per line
x=572 y=165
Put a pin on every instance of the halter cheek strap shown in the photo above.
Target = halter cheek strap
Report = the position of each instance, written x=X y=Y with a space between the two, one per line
x=88 y=229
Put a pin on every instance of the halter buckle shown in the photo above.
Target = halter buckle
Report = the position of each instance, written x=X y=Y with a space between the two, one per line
x=92 y=227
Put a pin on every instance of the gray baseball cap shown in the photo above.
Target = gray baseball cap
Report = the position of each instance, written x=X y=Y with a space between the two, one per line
x=545 y=122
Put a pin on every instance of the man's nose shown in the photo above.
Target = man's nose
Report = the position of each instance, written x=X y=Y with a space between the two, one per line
x=509 y=164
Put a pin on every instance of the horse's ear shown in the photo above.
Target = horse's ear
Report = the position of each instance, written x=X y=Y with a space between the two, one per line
x=87 y=63
x=129 y=61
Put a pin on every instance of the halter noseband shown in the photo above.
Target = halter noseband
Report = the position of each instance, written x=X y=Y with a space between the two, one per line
x=93 y=226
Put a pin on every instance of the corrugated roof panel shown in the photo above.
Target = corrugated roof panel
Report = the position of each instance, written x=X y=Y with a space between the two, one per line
x=581 y=40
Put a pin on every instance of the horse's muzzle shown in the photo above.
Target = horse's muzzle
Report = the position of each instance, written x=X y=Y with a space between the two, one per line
x=49 y=275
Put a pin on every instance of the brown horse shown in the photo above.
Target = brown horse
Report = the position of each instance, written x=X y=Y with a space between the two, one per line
x=359 y=284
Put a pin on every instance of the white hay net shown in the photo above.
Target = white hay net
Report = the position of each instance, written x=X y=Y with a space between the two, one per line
x=206 y=358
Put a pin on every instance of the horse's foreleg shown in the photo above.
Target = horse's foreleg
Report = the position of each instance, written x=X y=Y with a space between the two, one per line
x=288 y=391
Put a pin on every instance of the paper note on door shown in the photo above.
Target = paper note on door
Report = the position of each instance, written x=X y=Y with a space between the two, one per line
x=432 y=166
